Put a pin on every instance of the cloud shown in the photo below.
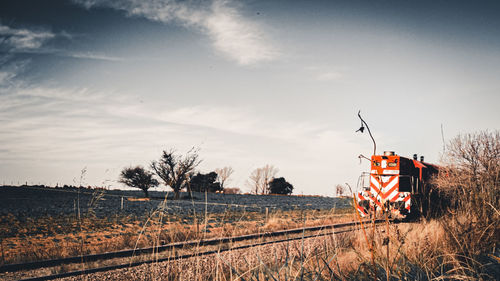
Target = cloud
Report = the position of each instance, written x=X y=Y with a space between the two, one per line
x=57 y=131
x=23 y=39
x=329 y=76
x=233 y=35
x=235 y=120
x=41 y=121
x=237 y=37
x=89 y=56
x=9 y=69
x=29 y=41
x=241 y=120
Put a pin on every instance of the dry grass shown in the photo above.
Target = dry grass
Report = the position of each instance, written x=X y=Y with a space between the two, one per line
x=418 y=251
x=334 y=257
x=49 y=238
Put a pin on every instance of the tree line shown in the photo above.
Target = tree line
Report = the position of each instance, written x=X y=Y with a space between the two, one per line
x=178 y=172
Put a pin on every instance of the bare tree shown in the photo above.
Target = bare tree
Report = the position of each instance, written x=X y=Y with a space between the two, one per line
x=138 y=177
x=339 y=190
x=174 y=169
x=260 y=178
x=477 y=156
x=255 y=181
x=269 y=172
x=223 y=175
x=472 y=167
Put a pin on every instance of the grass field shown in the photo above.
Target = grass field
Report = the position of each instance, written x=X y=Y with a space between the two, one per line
x=28 y=235
x=422 y=250
x=460 y=243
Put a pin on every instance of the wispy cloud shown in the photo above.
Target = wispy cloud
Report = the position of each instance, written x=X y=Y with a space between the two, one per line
x=233 y=35
x=9 y=69
x=324 y=73
x=54 y=129
x=329 y=76
x=33 y=41
x=236 y=36
x=22 y=39
x=88 y=56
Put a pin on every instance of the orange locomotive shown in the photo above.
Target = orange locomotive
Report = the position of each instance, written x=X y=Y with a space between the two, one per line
x=395 y=184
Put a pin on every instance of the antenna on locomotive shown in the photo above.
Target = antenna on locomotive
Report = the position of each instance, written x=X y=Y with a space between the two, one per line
x=362 y=128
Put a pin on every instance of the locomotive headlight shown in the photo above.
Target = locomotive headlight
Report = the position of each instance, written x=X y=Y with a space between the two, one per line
x=392 y=164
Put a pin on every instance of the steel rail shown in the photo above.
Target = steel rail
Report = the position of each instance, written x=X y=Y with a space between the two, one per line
x=175 y=258
x=162 y=248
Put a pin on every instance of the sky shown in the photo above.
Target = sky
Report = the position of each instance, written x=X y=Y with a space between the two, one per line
x=99 y=85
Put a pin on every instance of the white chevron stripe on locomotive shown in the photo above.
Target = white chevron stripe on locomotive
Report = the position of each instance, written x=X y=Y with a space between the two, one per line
x=375 y=182
x=380 y=192
x=376 y=189
x=395 y=193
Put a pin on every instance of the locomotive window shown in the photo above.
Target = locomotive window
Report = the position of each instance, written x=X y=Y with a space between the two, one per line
x=392 y=164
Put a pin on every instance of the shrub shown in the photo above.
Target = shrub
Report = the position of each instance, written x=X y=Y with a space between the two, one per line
x=205 y=182
x=470 y=177
x=280 y=186
x=138 y=177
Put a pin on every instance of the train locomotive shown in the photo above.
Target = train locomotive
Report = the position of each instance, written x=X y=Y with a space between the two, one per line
x=397 y=185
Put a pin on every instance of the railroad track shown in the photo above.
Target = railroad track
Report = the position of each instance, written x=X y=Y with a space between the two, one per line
x=338 y=228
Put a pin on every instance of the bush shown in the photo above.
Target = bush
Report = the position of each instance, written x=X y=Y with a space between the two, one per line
x=205 y=182
x=280 y=186
x=138 y=177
